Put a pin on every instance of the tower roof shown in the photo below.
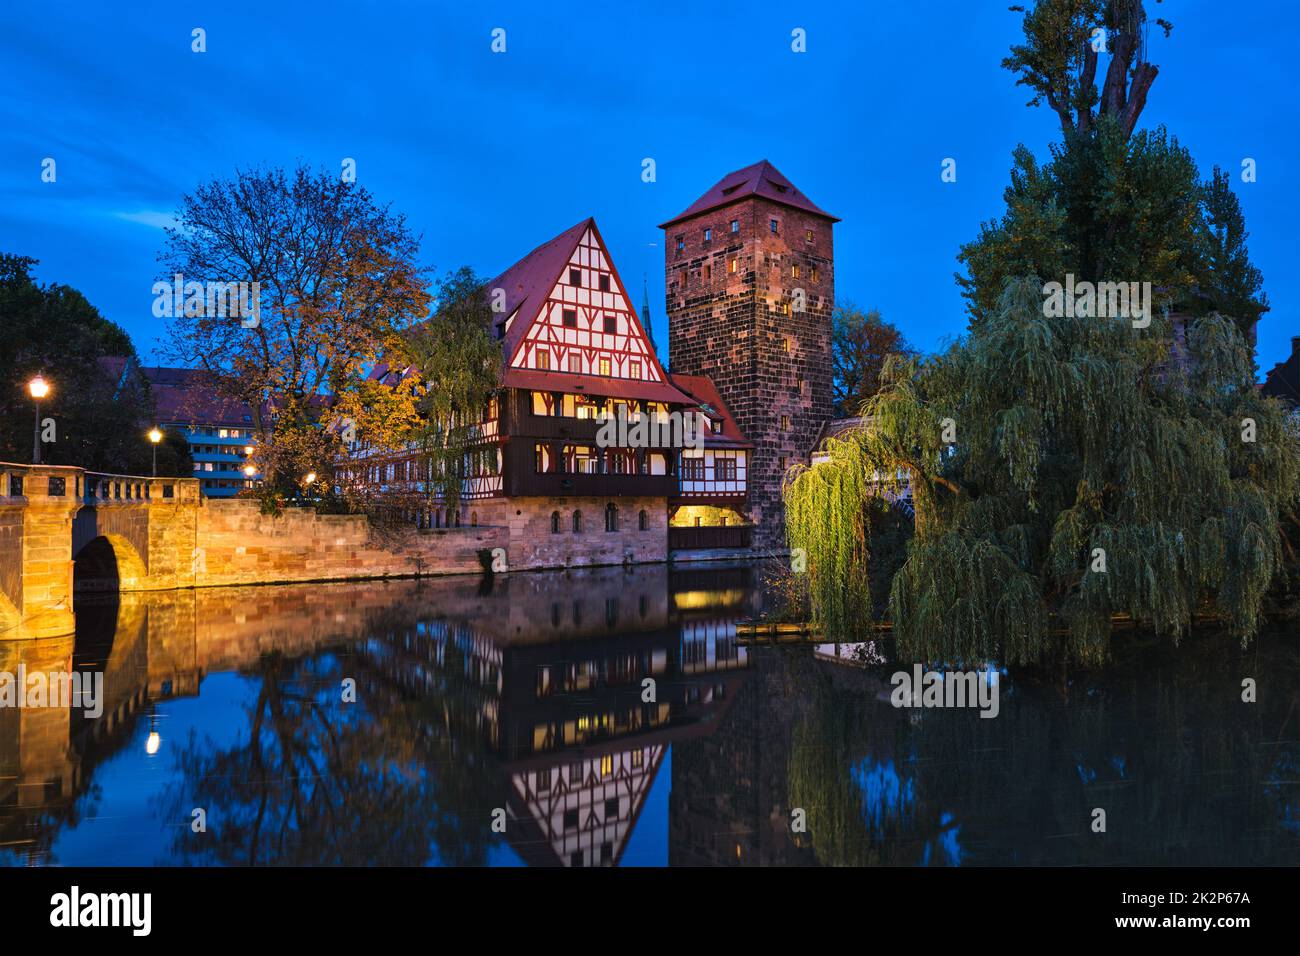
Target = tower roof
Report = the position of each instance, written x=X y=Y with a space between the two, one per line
x=762 y=180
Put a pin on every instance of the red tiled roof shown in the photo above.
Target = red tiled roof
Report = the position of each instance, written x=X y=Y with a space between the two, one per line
x=704 y=393
x=541 y=381
x=531 y=279
x=761 y=179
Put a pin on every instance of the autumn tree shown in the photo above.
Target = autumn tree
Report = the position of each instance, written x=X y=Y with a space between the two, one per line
x=426 y=403
x=336 y=282
x=860 y=342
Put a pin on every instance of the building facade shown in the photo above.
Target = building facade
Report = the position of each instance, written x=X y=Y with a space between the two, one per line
x=750 y=279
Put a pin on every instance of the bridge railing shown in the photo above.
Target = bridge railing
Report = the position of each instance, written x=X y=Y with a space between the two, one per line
x=101 y=488
x=73 y=485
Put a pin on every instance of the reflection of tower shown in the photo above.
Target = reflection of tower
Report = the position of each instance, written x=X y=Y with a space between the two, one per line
x=729 y=804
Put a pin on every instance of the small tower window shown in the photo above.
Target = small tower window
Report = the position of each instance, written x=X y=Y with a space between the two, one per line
x=735 y=225
x=816 y=276
x=681 y=243
x=785 y=423
x=575 y=277
x=794 y=271
x=733 y=266
x=808 y=235
x=681 y=276
x=708 y=235
x=774 y=226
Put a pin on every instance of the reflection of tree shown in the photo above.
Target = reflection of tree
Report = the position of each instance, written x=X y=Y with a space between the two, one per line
x=1186 y=772
x=316 y=781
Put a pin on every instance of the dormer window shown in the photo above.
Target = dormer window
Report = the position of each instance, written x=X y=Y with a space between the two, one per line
x=717 y=426
x=575 y=277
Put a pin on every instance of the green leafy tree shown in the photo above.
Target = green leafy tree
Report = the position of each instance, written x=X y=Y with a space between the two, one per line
x=1071 y=470
x=101 y=410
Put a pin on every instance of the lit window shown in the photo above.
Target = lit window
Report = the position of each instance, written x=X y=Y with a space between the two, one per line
x=816 y=275
x=733 y=265
x=794 y=271
x=808 y=235
x=544 y=361
x=604 y=367
x=606 y=765
x=634 y=368
x=785 y=423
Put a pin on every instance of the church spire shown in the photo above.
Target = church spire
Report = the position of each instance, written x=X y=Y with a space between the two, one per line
x=645 y=312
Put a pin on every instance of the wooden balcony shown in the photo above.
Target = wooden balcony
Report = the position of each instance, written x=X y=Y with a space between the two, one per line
x=713 y=536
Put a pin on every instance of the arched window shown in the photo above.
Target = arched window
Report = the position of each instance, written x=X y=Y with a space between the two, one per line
x=611 y=517
x=643 y=520
x=555 y=522
x=577 y=522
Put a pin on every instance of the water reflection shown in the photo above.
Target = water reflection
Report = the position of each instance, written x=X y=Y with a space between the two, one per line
x=609 y=716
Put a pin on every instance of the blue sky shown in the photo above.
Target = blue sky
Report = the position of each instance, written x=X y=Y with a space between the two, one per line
x=489 y=155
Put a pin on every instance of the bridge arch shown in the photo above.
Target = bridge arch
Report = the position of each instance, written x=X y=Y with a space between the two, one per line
x=108 y=562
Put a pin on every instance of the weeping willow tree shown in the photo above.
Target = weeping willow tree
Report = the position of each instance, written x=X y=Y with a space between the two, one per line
x=1068 y=470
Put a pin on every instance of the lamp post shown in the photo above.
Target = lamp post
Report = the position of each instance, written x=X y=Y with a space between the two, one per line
x=155 y=436
x=249 y=472
x=39 y=388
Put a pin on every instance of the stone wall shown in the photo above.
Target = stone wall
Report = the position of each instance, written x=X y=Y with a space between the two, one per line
x=772 y=369
x=235 y=544
x=533 y=544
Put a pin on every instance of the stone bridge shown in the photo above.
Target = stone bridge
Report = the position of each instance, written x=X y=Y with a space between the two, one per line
x=63 y=529
x=121 y=531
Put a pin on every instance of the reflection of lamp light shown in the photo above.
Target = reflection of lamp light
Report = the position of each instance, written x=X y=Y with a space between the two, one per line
x=39 y=388
x=154 y=740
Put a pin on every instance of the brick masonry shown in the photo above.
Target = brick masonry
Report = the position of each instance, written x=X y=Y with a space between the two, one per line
x=768 y=366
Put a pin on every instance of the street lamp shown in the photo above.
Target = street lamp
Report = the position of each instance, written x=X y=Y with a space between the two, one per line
x=39 y=388
x=155 y=436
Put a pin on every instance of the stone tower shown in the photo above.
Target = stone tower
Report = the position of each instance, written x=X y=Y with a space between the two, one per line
x=750 y=278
